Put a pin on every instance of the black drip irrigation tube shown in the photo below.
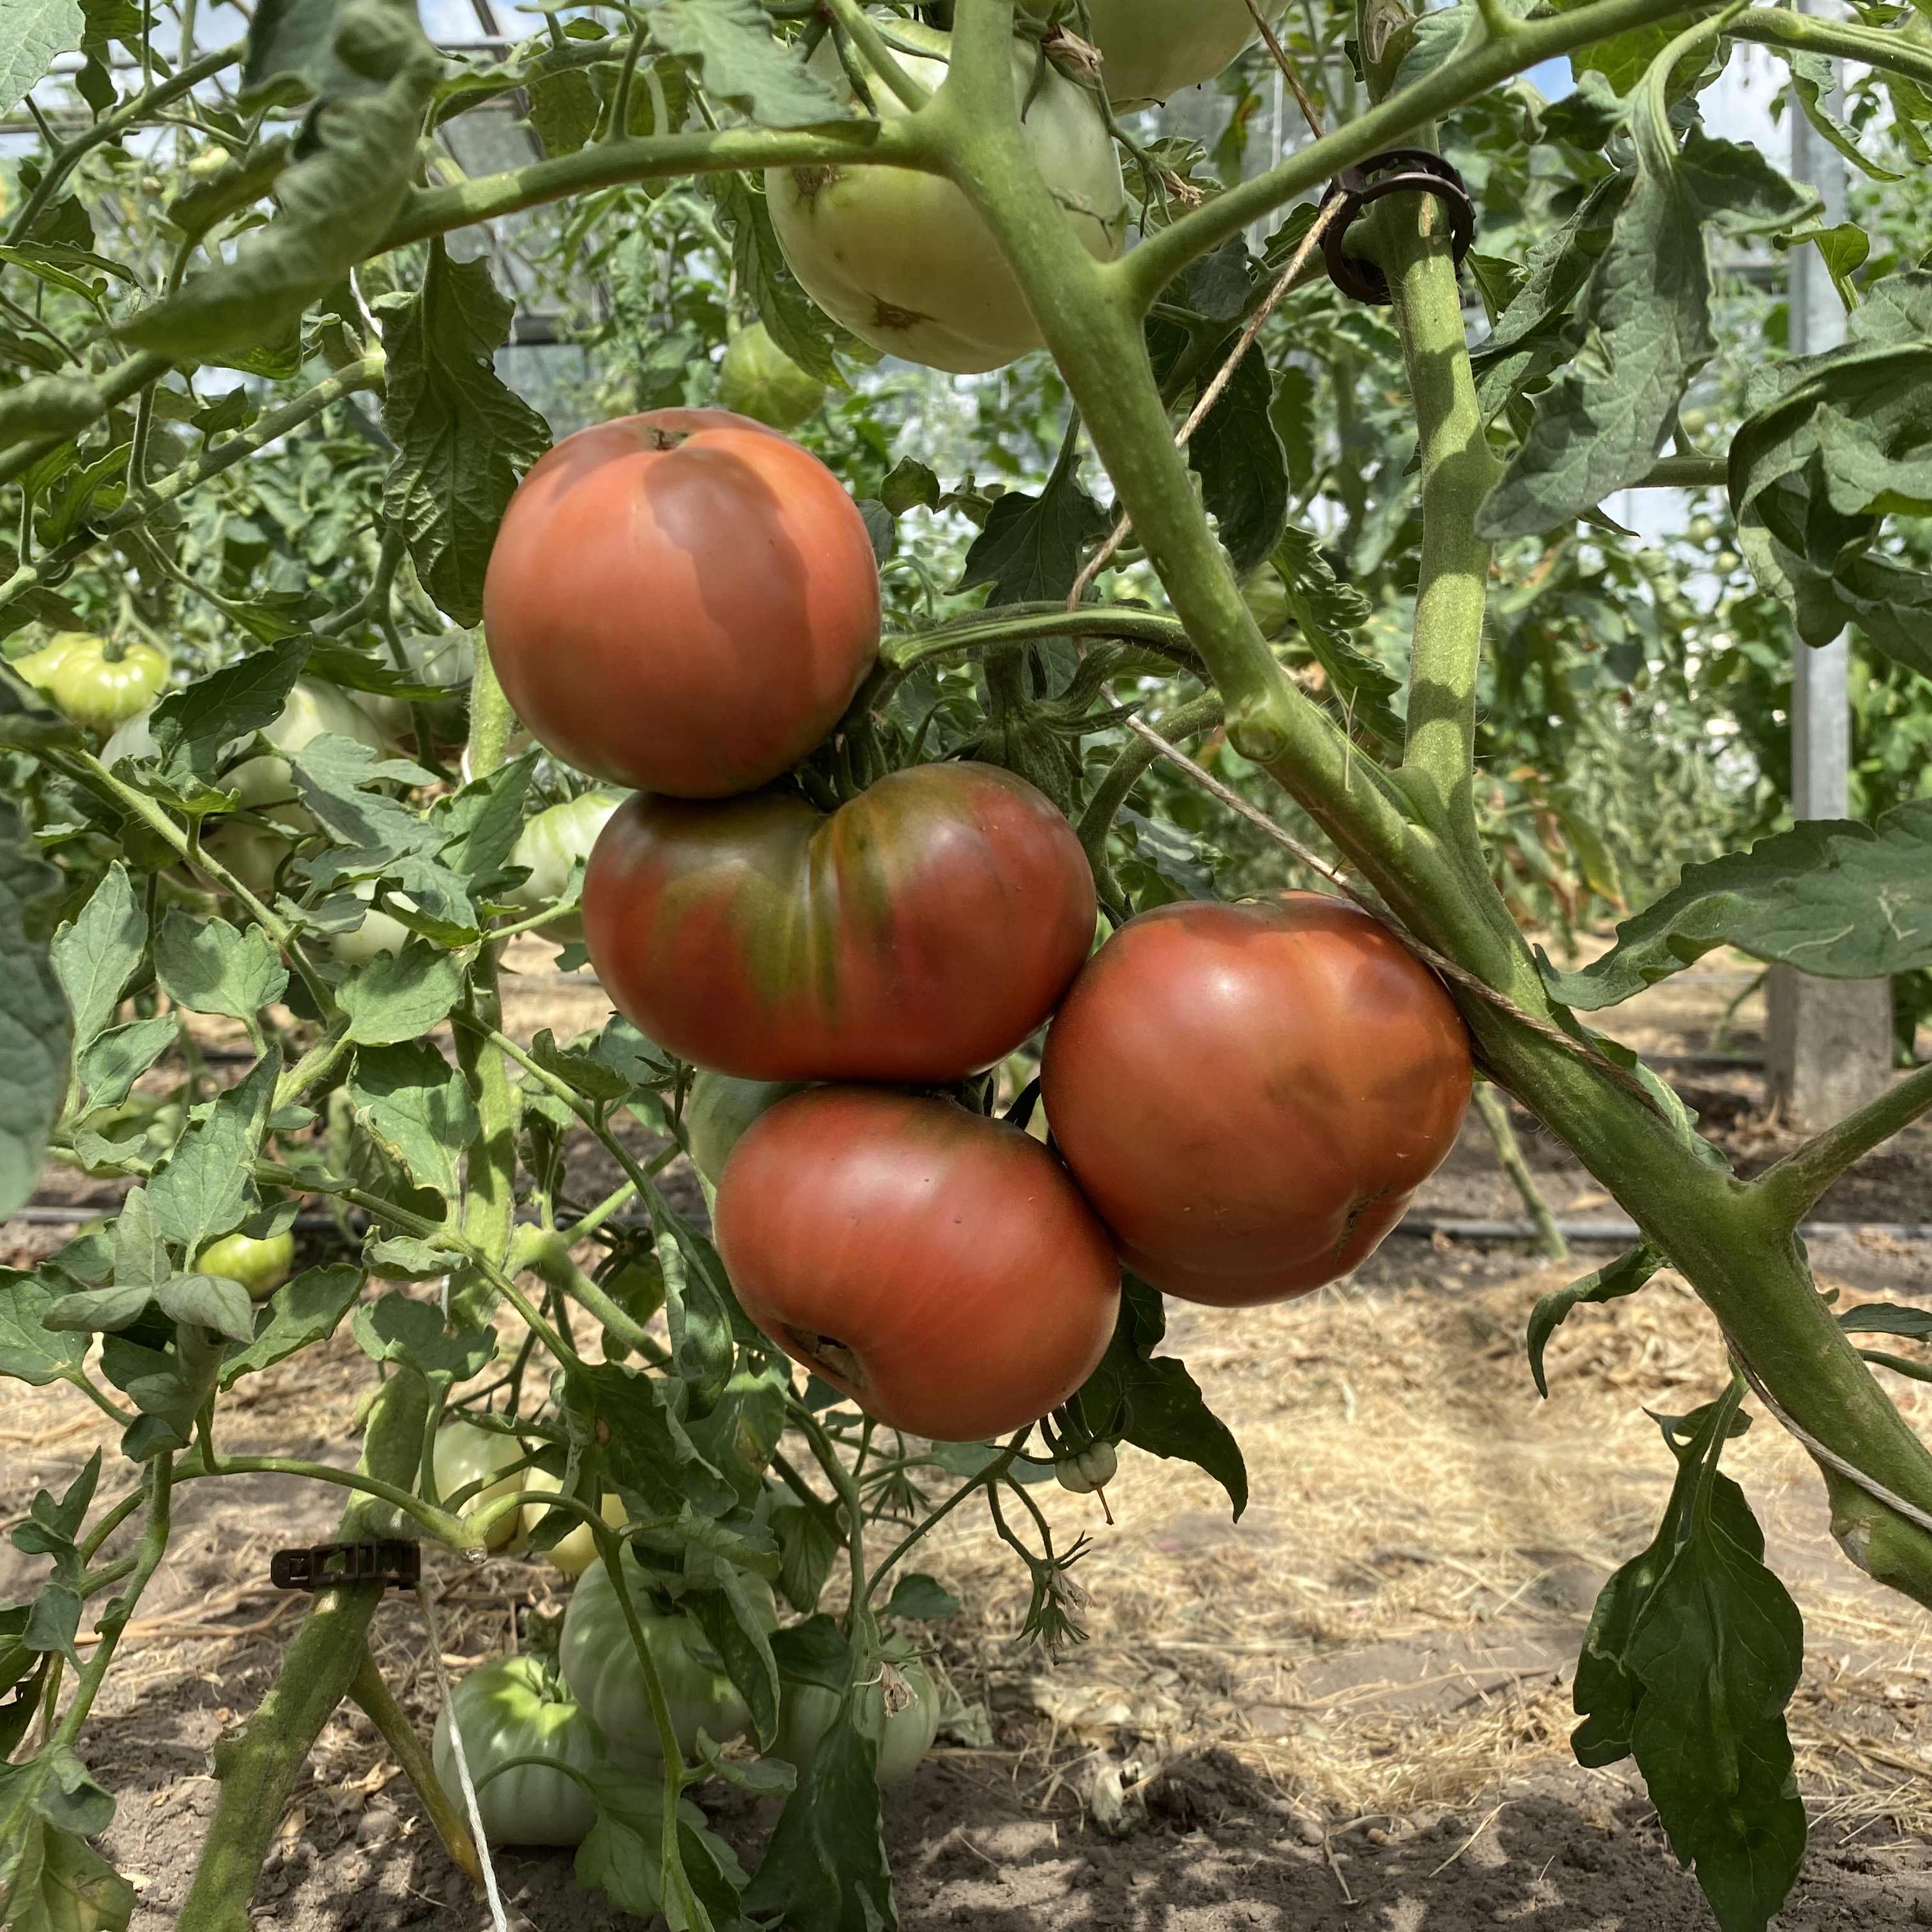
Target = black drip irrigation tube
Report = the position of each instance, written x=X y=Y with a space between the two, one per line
x=1610 y=1233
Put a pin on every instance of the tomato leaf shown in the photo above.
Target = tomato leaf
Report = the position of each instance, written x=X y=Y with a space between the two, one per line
x=418 y=1107
x=732 y=42
x=1237 y=453
x=337 y=200
x=191 y=727
x=305 y=1311
x=622 y=1855
x=207 y=1185
x=210 y=967
x=733 y=1624
x=703 y=1350
x=1621 y=1277
x=917 y=1595
x=398 y=1328
x=34 y=1025
x=1692 y=1655
x=1155 y=1404
x=809 y=1546
x=30 y=1352
x=825 y=1868
x=95 y=955
x=650 y=1460
x=1031 y=548
x=112 y=1062
x=463 y=437
x=401 y=996
x=31 y=33
x=1643 y=329
x=1841 y=900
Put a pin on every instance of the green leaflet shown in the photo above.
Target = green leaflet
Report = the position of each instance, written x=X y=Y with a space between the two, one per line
x=1806 y=897
x=1622 y=1276
x=33 y=1013
x=337 y=200
x=1835 y=444
x=1692 y=1655
x=1643 y=327
x=463 y=439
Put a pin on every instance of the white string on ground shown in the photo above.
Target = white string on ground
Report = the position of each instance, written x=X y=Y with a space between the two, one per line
x=443 y=1691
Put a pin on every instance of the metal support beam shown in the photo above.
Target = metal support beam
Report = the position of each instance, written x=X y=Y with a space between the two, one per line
x=1830 y=1041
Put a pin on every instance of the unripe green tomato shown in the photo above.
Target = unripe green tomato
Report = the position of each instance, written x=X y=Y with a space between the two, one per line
x=719 y=1112
x=555 y=842
x=1727 y=561
x=466 y=1454
x=313 y=710
x=448 y=660
x=600 y=1664
x=578 y=1550
x=96 y=692
x=260 y=1266
x=1093 y=1468
x=1694 y=422
x=758 y=379
x=1151 y=49
x=904 y=260
x=511 y=1709
x=900 y=1713
x=380 y=932
x=1702 y=530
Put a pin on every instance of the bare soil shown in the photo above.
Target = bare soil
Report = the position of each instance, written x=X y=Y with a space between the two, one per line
x=1349 y=1709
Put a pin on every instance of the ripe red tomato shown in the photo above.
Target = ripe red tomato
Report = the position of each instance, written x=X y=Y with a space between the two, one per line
x=1250 y=1094
x=918 y=934
x=683 y=601
x=937 y=1267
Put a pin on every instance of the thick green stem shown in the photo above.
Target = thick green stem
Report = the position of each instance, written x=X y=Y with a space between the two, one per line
x=1464 y=77
x=1788 y=1192
x=258 y=1769
x=1885 y=47
x=373 y=1699
x=611 y=163
x=1412 y=243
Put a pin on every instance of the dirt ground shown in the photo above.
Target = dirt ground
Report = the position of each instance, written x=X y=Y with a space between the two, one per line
x=1350 y=1709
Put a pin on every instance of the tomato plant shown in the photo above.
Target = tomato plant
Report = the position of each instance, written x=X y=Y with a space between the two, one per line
x=905 y=707
x=1343 y=1078
x=552 y=847
x=937 y=1267
x=511 y=1710
x=682 y=601
x=764 y=938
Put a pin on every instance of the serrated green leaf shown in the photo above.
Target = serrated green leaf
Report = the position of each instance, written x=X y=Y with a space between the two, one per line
x=399 y=1328
x=29 y=1350
x=418 y=1107
x=463 y=437
x=32 y=33
x=207 y=1188
x=1154 y=1403
x=301 y=1312
x=210 y=966
x=731 y=41
x=401 y=996
x=210 y=1302
x=1622 y=1276
x=1243 y=467
x=95 y=955
x=35 y=1020
x=1839 y=900
x=115 y=1059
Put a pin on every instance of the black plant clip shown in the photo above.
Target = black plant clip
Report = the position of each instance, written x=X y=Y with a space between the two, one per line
x=1397 y=171
x=397 y=1565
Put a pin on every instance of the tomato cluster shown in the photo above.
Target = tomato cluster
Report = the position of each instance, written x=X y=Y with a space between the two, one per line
x=1242 y=1099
